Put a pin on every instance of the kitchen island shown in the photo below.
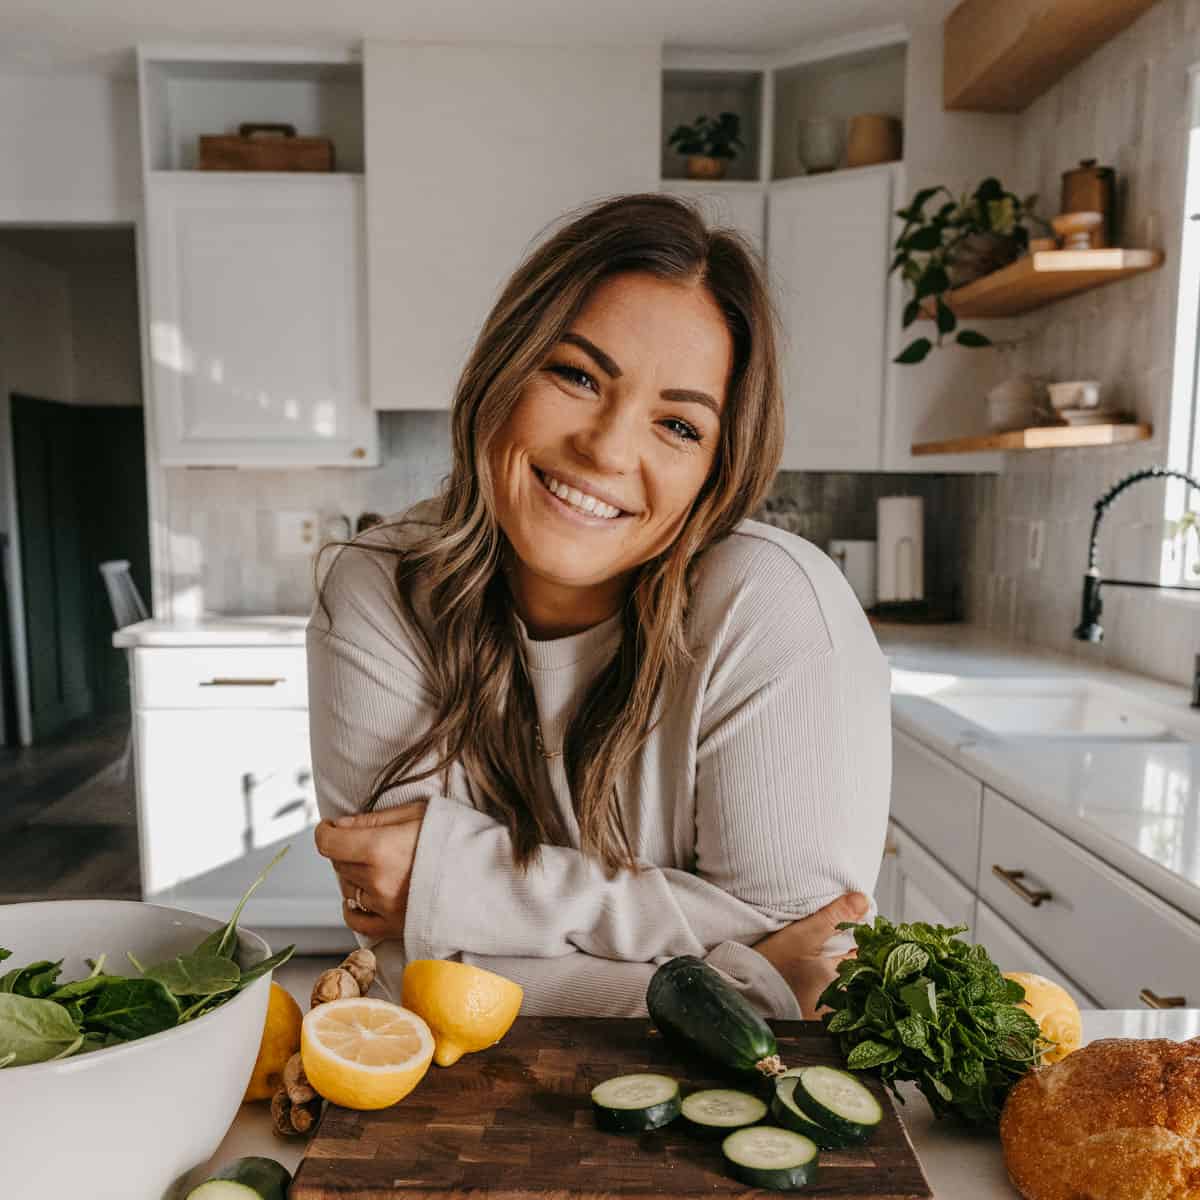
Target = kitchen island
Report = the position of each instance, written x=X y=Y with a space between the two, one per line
x=958 y=1166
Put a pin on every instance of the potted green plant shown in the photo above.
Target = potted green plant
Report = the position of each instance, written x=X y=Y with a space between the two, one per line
x=708 y=143
x=961 y=240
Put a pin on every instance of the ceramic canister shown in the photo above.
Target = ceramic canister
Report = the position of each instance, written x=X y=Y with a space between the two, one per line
x=873 y=138
x=901 y=548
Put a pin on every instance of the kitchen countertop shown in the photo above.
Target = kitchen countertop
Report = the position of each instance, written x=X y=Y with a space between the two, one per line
x=264 y=630
x=958 y=1165
x=1136 y=805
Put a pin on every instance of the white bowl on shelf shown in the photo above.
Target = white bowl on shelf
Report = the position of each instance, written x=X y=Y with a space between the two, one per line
x=125 y=1123
x=1074 y=394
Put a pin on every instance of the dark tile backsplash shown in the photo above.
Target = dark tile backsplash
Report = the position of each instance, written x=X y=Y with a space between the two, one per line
x=822 y=505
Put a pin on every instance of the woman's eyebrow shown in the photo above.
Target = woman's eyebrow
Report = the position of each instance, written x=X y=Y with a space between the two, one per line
x=603 y=361
x=610 y=368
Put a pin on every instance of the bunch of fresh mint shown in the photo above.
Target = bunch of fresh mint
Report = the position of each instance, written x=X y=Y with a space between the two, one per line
x=919 y=1004
x=41 y=1019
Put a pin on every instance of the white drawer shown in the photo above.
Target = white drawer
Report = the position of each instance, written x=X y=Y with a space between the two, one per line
x=937 y=803
x=1011 y=952
x=925 y=890
x=1101 y=928
x=220 y=677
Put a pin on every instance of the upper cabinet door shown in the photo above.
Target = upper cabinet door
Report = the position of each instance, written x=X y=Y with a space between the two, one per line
x=255 y=320
x=828 y=239
x=472 y=151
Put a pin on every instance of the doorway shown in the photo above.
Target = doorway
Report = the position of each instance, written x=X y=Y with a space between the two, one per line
x=73 y=470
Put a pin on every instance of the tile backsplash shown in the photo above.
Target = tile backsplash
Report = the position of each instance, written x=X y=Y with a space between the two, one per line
x=226 y=558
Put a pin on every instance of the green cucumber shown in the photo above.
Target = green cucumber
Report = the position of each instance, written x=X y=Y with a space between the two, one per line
x=692 y=1006
x=838 y=1101
x=720 y=1111
x=635 y=1103
x=765 y=1157
x=791 y=1116
x=251 y=1178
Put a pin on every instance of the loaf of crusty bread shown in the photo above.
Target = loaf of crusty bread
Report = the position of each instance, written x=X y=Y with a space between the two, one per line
x=1117 y=1120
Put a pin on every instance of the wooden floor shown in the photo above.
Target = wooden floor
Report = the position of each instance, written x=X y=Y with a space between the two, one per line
x=59 y=861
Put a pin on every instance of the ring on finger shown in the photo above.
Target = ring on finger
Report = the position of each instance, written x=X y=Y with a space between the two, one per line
x=355 y=904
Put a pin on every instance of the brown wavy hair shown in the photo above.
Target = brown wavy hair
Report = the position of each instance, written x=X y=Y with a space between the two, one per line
x=486 y=711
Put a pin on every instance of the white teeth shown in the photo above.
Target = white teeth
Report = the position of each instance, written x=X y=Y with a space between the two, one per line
x=580 y=500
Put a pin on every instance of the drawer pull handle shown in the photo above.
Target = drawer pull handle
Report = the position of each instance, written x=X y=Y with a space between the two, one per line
x=1031 y=896
x=891 y=850
x=231 y=681
x=1152 y=1000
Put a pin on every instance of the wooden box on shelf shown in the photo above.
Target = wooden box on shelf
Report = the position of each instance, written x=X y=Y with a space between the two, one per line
x=264 y=147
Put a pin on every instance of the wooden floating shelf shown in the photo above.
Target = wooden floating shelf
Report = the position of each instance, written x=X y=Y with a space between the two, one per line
x=1041 y=278
x=1040 y=437
x=999 y=57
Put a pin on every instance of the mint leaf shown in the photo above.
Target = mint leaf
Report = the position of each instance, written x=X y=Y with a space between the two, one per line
x=866 y=1055
x=904 y=961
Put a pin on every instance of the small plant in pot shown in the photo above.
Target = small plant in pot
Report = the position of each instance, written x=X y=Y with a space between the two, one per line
x=708 y=143
x=953 y=244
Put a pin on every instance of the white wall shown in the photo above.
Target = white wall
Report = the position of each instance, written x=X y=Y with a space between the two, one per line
x=69 y=149
x=104 y=332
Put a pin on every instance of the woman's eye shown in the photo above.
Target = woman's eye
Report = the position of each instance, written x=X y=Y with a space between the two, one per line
x=682 y=430
x=574 y=375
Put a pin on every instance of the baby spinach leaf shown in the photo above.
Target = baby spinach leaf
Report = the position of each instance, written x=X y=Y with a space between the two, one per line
x=134 y=1008
x=34 y=1030
x=8 y=1059
x=224 y=941
x=81 y=988
x=4 y=954
x=196 y=974
x=137 y=966
x=268 y=964
x=35 y=980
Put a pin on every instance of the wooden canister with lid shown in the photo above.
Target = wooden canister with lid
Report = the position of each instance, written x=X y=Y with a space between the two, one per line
x=1089 y=188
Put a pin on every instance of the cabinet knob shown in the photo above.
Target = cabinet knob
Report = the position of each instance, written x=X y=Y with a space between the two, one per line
x=358 y=452
x=891 y=850
x=1153 y=1000
x=1031 y=896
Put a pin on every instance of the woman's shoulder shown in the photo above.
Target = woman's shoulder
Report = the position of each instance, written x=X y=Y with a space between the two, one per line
x=761 y=581
x=357 y=597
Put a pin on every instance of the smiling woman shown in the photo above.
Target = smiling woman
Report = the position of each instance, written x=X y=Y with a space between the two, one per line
x=579 y=714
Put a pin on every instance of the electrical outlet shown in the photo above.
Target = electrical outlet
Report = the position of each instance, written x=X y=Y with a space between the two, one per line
x=1037 y=545
x=296 y=533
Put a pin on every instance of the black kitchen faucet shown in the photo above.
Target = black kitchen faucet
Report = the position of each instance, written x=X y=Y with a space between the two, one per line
x=1089 y=628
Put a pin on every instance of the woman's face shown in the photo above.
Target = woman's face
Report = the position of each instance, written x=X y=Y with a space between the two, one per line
x=608 y=445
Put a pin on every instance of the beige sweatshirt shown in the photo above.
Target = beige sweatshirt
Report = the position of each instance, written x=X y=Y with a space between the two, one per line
x=761 y=796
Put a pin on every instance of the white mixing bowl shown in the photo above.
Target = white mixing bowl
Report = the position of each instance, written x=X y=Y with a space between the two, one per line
x=124 y=1123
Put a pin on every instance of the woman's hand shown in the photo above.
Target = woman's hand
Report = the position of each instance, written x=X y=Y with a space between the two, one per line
x=373 y=856
x=797 y=951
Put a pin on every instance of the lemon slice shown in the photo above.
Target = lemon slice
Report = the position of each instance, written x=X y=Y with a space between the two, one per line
x=467 y=1008
x=363 y=1052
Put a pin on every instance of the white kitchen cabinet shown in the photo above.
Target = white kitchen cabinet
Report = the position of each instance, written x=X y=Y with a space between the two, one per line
x=886 y=901
x=737 y=205
x=1011 y=952
x=224 y=780
x=1107 y=932
x=925 y=890
x=255 y=320
x=828 y=244
x=472 y=152
x=937 y=803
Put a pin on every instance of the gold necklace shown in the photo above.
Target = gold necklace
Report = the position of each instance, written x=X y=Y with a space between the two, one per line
x=541 y=746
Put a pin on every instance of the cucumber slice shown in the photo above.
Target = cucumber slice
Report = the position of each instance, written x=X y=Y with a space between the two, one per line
x=838 y=1101
x=250 y=1178
x=721 y=1110
x=791 y=1116
x=765 y=1157
x=635 y=1103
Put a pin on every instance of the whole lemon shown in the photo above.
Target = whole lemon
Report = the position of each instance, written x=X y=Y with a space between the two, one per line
x=467 y=1007
x=1054 y=1010
x=280 y=1040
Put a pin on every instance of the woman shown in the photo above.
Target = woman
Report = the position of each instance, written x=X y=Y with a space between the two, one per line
x=601 y=718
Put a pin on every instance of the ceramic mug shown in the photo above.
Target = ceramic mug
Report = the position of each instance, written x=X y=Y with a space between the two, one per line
x=1075 y=393
x=819 y=143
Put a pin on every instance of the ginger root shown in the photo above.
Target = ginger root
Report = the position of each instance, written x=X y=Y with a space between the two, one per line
x=296 y=1105
x=351 y=979
x=292 y=1120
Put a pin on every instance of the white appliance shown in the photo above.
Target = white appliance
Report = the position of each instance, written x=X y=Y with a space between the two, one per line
x=858 y=562
x=901 y=548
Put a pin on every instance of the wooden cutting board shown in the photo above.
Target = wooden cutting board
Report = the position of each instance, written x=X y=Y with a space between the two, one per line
x=515 y=1123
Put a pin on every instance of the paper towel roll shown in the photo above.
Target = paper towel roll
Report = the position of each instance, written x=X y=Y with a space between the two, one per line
x=901 y=548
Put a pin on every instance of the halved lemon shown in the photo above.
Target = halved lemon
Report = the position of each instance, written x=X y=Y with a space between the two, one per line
x=364 y=1052
x=467 y=1008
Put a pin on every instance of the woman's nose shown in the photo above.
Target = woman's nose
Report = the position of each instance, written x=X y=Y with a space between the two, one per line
x=609 y=439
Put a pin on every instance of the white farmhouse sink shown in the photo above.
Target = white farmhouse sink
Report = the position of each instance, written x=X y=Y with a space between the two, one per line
x=1064 y=707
